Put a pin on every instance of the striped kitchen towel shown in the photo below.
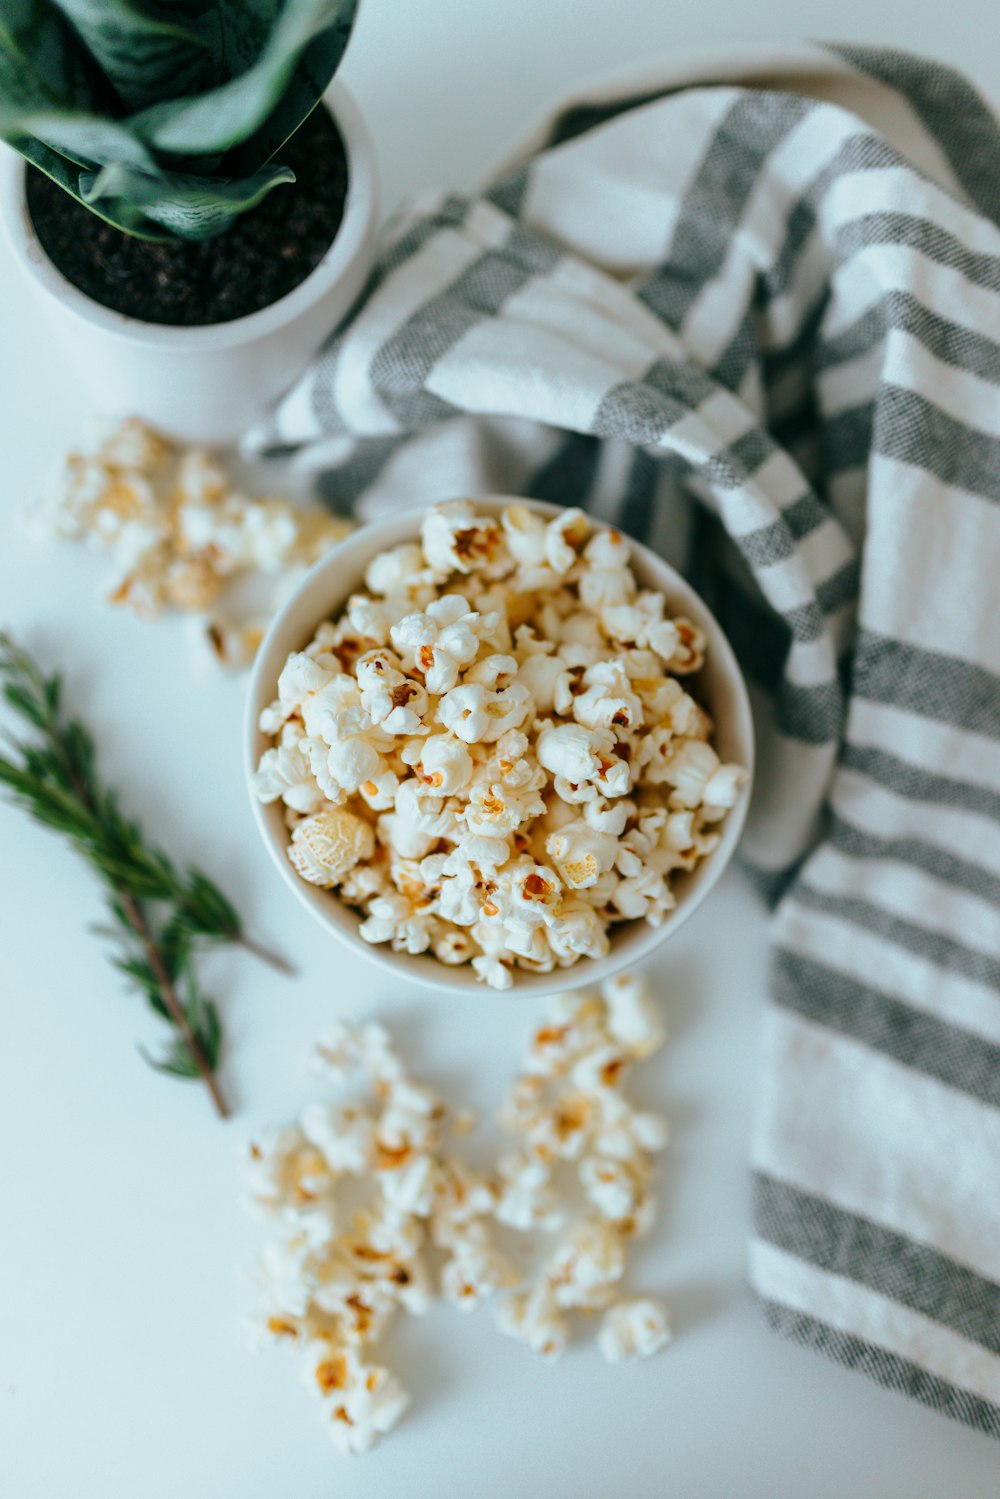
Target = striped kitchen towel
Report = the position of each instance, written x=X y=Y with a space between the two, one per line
x=749 y=308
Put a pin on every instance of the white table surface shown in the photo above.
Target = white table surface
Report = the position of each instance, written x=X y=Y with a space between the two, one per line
x=123 y=1244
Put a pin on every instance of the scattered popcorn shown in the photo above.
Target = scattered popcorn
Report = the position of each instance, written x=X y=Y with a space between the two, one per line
x=337 y=1273
x=502 y=712
x=370 y=1209
x=180 y=534
x=569 y=1112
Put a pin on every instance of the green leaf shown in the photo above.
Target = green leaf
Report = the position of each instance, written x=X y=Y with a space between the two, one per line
x=40 y=62
x=84 y=138
x=205 y=909
x=227 y=115
x=143 y=58
x=176 y=1062
x=190 y=207
x=23 y=701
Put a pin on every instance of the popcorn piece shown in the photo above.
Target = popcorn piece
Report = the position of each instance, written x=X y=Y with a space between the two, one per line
x=574 y=752
x=526 y=1198
x=613 y=1187
x=284 y=773
x=288 y=1174
x=364 y=1400
x=456 y=539
x=532 y=1317
x=327 y=845
x=633 y=1329
x=345 y=1136
x=479 y=715
x=474 y=1274
x=580 y=854
x=633 y=1019
x=445 y=765
x=367 y=1048
x=586 y=1267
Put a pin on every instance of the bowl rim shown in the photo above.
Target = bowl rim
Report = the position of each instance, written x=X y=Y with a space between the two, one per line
x=340 y=572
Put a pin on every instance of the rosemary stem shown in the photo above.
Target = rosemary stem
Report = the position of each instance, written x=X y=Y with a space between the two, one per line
x=139 y=925
x=264 y=953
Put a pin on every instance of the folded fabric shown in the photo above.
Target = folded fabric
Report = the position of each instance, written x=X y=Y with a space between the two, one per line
x=749 y=308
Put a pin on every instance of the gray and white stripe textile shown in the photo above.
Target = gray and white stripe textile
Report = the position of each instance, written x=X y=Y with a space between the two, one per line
x=750 y=309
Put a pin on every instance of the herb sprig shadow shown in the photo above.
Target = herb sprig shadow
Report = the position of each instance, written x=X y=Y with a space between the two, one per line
x=161 y=916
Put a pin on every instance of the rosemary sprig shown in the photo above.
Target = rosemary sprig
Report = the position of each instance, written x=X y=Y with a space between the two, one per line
x=160 y=915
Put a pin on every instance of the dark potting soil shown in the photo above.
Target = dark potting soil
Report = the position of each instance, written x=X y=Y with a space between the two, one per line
x=265 y=254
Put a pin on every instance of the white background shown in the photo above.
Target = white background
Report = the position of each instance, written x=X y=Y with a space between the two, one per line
x=123 y=1245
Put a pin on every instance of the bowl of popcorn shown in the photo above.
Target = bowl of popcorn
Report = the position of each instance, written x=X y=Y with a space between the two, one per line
x=495 y=739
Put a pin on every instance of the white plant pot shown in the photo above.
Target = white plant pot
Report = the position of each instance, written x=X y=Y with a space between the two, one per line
x=205 y=384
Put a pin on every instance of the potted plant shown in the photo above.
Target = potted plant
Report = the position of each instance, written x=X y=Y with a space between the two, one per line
x=195 y=224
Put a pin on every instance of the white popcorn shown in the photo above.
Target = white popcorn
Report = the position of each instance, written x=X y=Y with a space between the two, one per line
x=611 y=1186
x=494 y=811
x=496 y=671
x=534 y=891
x=475 y=1273
x=608 y=702
x=643 y=895
x=633 y=1329
x=399 y=572
x=300 y=676
x=586 y=1266
x=722 y=790
x=345 y=1136
x=526 y=1197
x=439 y=642
x=633 y=1020
x=494 y=970
x=573 y=751
x=533 y=1318
x=327 y=845
x=367 y=1048
x=688 y=768
x=393 y=918
x=287 y=1173
x=456 y=539
x=626 y=1133
x=390 y=698
x=284 y=773
x=365 y=1401
x=564 y=538
x=640 y=624
x=480 y=715
x=608 y=817
x=578 y=933
x=580 y=854
x=502 y=711
x=541 y=674
x=444 y=766
x=526 y=535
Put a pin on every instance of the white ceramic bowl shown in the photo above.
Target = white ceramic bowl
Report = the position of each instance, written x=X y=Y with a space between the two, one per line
x=719 y=686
